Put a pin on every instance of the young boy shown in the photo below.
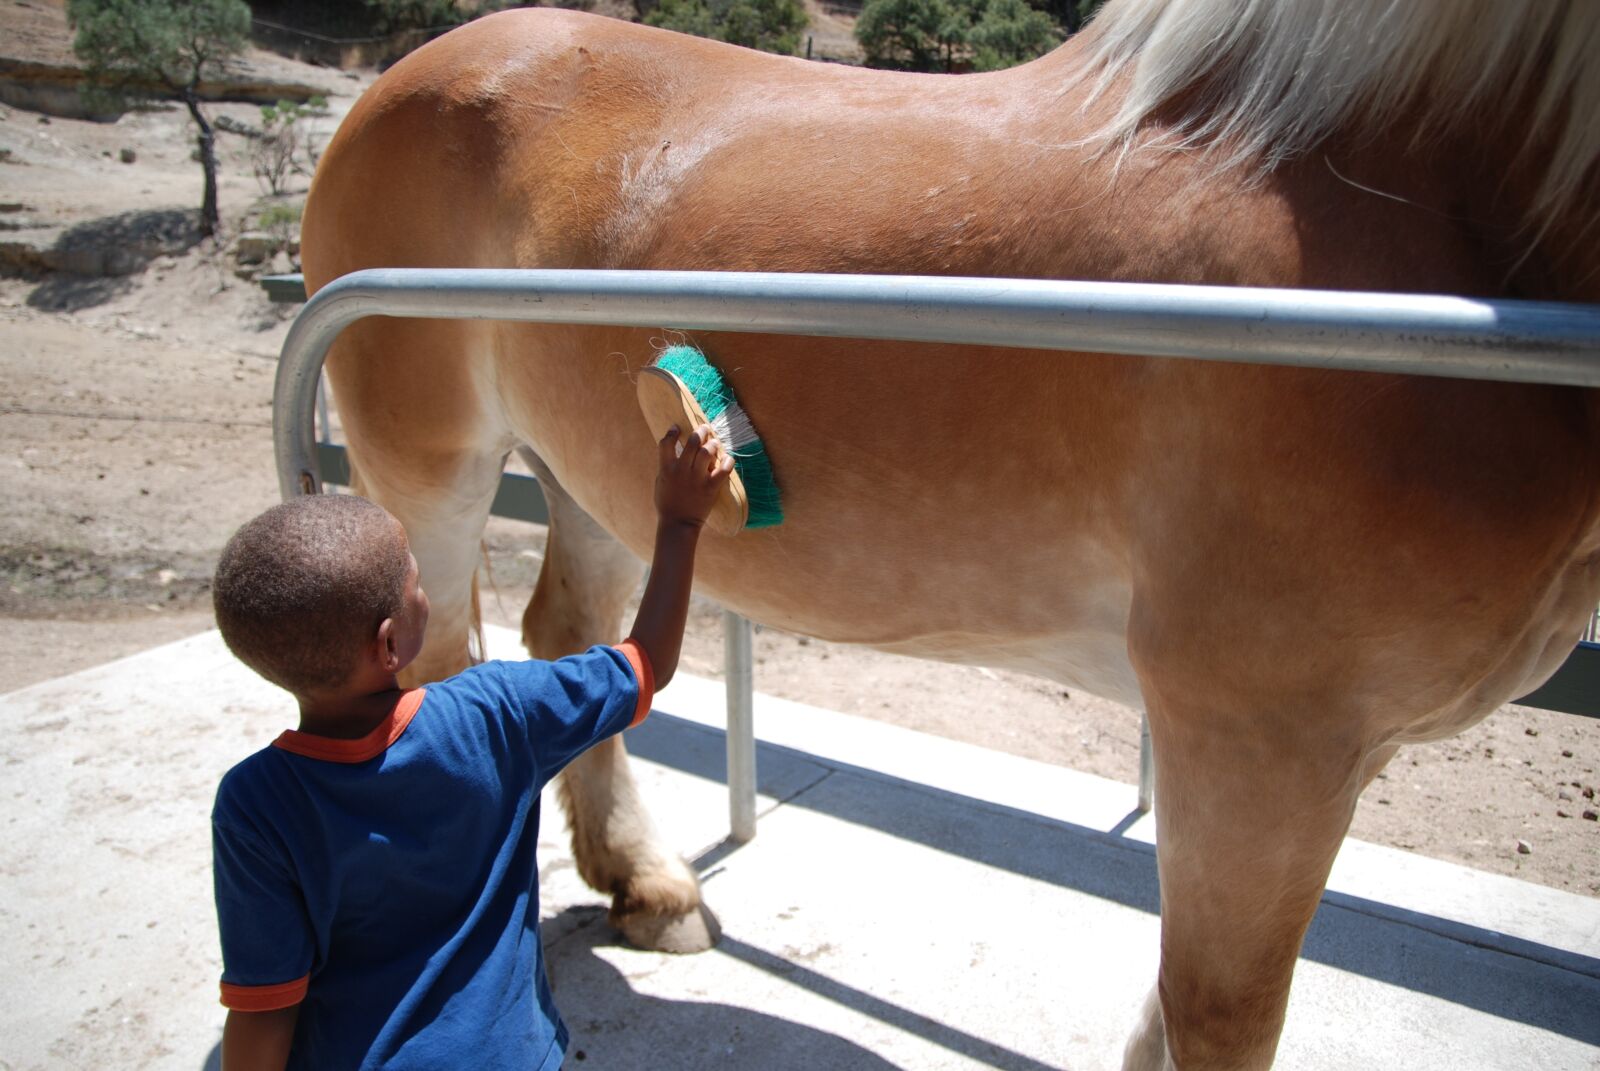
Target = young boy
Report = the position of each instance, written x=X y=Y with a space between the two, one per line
x=377 y=892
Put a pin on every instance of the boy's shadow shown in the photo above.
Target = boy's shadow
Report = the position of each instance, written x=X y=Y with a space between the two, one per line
x=614 y=1026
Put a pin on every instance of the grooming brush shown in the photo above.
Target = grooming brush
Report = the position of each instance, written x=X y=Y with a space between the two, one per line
x=683 y=388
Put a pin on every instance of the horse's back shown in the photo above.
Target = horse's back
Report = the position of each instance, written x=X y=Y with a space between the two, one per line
x=545 y=138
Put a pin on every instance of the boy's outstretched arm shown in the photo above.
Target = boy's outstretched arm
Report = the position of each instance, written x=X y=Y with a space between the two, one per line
x=258 y=1041
x=687 y=486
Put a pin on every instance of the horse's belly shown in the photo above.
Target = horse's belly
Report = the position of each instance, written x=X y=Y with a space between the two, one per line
x=1063 y=615
x=1093 y=661
x=1530 y=662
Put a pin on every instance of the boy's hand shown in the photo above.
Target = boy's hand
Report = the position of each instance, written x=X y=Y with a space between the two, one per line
x=689 y=480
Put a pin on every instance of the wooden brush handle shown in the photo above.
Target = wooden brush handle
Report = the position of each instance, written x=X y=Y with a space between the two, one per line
x=665 y=401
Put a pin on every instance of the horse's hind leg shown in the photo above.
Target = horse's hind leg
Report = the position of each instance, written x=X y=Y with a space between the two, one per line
x=425 y=447
x=582 y=593
x=1250 y=812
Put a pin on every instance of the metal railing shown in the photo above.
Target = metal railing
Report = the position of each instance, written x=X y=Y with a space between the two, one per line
x=1510 y=341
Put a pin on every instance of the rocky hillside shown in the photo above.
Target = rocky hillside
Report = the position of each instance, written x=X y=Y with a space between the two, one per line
x=39 y=72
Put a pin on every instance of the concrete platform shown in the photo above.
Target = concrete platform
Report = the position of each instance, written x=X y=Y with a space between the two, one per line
x=908 y=903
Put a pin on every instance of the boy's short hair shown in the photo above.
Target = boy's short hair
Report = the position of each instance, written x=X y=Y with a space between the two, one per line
x=301 y=587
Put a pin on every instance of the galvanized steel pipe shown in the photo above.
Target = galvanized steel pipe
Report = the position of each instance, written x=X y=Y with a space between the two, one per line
x=1517 y=341
x=738 y=666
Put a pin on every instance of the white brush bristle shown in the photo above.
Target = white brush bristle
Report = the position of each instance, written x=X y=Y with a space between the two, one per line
x=733 y=428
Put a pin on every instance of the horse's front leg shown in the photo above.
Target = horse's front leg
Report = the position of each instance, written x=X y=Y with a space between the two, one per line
x=1251 y=808
x=583 y=590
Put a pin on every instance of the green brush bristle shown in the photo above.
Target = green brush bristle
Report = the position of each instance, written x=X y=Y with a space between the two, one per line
x=750 y=459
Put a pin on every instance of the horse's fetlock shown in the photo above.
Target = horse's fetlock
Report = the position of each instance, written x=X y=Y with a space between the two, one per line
x=657 y=893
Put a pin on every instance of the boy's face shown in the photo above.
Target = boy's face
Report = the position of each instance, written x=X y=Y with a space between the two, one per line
x=412 y=622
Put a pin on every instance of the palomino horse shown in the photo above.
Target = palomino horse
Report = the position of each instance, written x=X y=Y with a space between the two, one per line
x=1294 y=571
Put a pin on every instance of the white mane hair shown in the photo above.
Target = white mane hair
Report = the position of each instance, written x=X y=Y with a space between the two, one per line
x=1277 y=76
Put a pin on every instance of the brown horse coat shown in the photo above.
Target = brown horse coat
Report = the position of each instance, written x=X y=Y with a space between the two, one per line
x=1294 y=571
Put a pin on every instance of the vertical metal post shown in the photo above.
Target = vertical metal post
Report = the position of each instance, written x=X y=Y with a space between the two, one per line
x=325 y=431
x=739 y=671
x=1147 y=764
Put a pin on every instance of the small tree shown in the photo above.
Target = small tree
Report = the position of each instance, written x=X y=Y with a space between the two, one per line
x=394 y=16
x=1009 y=32
x=274 y=154
x=769 y=25
x=949 y=35
x=1070 y=15
x=136 y=48
x=914 y=35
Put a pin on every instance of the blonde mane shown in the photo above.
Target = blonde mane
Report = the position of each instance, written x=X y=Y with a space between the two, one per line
x=1280 y=75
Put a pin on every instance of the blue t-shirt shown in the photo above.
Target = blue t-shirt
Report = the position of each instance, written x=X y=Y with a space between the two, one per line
x=389 y=886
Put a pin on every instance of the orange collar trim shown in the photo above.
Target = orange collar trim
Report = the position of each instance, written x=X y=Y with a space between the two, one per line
x=367 y=747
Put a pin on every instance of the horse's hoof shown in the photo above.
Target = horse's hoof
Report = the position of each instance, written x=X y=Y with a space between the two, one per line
x=694 y=931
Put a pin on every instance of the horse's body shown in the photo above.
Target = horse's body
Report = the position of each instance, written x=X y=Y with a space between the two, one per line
x=1294 y=571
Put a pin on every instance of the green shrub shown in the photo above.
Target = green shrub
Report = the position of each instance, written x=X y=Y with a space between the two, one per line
x=769 y=25
x=1009 y=32
x=914 y=35
x=956 y=35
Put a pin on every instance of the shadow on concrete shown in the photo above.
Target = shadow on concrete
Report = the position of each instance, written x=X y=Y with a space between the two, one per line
x=945 y=1036
x=612 y=1025
x=1523 y=981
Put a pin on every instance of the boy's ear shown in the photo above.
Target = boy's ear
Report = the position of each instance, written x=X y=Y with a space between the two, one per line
x=384 y=648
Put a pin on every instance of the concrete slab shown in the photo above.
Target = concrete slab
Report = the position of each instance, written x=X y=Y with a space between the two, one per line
x=908 y=902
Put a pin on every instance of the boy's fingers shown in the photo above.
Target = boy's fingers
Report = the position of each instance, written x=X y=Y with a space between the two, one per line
x=668 y=446
x=694 y=449
x=710 y=458
x=721 y=460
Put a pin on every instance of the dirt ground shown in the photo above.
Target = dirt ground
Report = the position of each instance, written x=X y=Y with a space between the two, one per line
x=135 y=435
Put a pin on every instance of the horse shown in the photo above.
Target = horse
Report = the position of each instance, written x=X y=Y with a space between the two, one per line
x=1293 y=571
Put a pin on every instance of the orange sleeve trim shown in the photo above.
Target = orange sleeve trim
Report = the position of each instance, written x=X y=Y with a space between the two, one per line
x=639 y=659
x=375 y=743
x=261 y=998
